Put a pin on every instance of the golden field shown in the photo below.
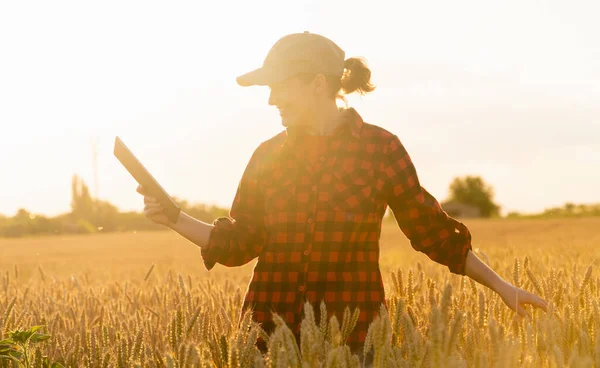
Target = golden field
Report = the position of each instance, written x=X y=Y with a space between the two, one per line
x=145 y=299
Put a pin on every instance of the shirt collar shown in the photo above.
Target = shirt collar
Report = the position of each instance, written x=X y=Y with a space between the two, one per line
x=352 y=122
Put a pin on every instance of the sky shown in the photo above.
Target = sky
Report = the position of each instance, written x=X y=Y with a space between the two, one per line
x=506 y=90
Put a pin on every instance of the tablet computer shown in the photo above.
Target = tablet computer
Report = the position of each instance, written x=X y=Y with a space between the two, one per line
x=144 y=178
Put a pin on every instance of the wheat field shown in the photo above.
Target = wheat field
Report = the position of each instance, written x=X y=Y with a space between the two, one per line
x=145 y=300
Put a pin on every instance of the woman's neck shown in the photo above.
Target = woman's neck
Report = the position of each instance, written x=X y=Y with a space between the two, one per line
x=326 y=121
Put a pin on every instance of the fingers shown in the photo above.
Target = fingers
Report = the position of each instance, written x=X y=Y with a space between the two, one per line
x=541 y=303
x=152 y=212
x=152 y=204
x=148 y=199
x=152 y=209
x=523 y=313
x=527 y=298
x=535 y=301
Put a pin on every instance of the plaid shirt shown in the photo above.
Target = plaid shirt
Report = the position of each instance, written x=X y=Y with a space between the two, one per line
x=315 y=224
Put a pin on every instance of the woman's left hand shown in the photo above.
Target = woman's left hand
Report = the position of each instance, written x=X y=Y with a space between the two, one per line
x=516 y=299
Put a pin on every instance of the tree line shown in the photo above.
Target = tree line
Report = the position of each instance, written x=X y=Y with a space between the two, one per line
x=89 y=215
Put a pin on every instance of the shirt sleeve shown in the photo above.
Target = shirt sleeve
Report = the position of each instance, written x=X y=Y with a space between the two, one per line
x=237 y=239
x=420 y=216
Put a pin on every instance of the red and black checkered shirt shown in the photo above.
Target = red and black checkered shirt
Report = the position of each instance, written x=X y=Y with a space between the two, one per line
x=314 y=224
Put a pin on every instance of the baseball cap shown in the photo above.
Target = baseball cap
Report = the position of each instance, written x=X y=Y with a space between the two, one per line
x=297 y=53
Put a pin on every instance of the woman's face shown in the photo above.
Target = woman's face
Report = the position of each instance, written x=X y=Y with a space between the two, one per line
x=296 y=101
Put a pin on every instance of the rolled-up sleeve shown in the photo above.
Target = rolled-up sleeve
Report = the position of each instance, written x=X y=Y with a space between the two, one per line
x=237 y=239
x=419 y=215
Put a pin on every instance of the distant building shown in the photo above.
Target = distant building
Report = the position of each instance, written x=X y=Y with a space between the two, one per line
x=460 y=210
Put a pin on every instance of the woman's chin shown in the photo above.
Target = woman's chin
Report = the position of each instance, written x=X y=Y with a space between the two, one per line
x=286 y=121
x=292 y=122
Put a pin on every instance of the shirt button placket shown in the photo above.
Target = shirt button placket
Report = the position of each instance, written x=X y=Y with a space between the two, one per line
x=310 y=230
x=309 y=235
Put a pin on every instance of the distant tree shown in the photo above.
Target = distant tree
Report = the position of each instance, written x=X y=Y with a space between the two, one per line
x=22 y=216
x=82 y=205
x=514 y=214
x=202 y=212
x=105 y=216
x=569 y=208
x=3 y=222
x=473 y=190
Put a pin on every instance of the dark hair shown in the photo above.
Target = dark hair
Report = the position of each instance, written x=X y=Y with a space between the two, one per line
x=356 y=78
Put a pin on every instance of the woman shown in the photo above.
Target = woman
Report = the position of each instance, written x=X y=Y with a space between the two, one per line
x=311 y=200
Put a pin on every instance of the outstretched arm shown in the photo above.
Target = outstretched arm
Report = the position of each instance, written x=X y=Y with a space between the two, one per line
x=442 y=238
x=514 y=297
x=230 y=240
x=196 y=231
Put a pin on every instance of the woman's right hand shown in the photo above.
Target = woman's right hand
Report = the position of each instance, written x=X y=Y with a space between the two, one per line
x=152 y=209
